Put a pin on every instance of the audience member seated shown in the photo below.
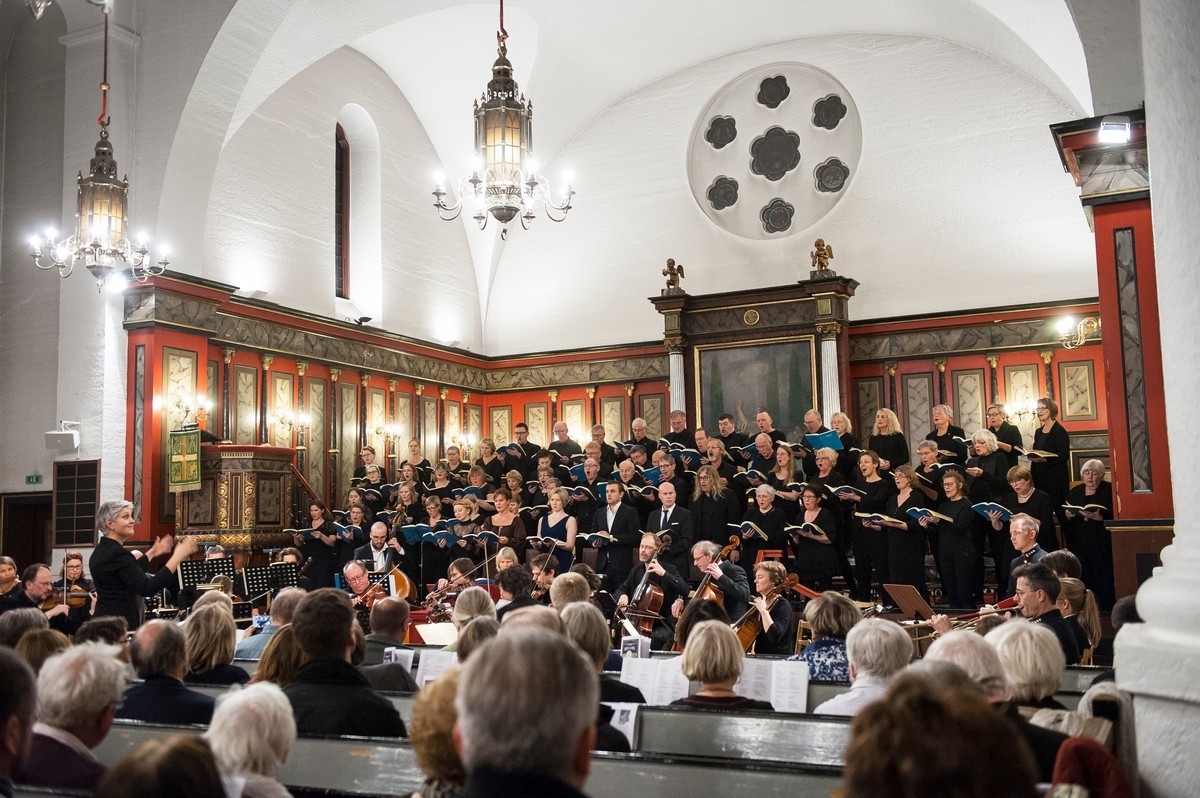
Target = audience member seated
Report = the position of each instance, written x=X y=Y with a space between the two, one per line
x=976 y=656
x=713 y=656
x=211 y=634
x=282 y=607
x=281 y=659
x=250 y=735
x=474 y=634
x=831 y=617
x=549 y=751
x=159 y=655
x=569 y=588
x=390 y=677
x=696 y=611
x=472 y=603
x=112 y=630
x=516 y=585
x=878 y=651
x=79 y=691
x=921 y=741
x=330 y=696
x=389 y=625
x=1032 y=661
x=1078 y=607
x=39 y=645
x=586 y=627
x=1037 y=595
x=15 y=623
x=179 y=766
x=538 y=615
x=431 y=734
x=18 y=703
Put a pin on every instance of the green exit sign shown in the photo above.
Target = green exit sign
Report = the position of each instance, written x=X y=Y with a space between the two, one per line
x=33 y=479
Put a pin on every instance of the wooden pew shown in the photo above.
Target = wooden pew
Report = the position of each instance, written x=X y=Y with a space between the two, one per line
x=363 y=766
x=403 y=702
x=761 y=736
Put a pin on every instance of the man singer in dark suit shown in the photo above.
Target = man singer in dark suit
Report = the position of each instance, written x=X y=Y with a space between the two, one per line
x=621 y=521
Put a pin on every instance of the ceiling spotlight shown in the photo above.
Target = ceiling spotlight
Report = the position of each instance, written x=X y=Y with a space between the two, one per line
x=360 y=321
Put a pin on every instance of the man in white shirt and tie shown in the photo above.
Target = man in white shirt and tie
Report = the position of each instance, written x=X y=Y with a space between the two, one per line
x=677 y=522
x=380 y=553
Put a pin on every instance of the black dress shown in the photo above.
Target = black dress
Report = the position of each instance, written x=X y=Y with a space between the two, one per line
x=870 y=545
x=772 y=524
x=892 y=447
x=320 y=560
x=1040 y=506
x=957 y=552
x=906 y=547
x=991 y=486
x=812 y=562
x=778 y=639
x=1092 y=543
x=1053 y=475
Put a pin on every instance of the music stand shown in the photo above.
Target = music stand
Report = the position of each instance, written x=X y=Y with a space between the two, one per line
x=284 y=574
x=381 y=577
x=195 y=572
x=912 y=605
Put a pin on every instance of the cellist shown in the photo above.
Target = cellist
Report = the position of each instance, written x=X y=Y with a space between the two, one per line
x=652 y=589
x=726 y=576
x=773 y=610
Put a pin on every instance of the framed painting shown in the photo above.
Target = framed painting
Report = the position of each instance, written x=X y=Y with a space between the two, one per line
x=537 y=418
x=650 y=408
x=777 y=375
x=968 y=400
x=574 y=415
x=1077 y=382
x=500 y=424
x=612 y=416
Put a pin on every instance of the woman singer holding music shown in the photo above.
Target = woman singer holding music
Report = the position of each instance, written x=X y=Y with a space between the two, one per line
x=814 y=560
x=558 y=524
x=507 y=525
x=905 y=535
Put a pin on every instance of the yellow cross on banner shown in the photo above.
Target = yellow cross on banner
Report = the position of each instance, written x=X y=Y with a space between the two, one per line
x=183 y=463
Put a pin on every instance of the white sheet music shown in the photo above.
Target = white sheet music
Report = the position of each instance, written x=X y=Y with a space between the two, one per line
x=433 y=664
x=783 y=683
x=624 y=718
x=660 y=680
x=397 y=654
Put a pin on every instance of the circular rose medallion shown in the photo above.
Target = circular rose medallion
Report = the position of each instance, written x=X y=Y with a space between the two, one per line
x=774 y=151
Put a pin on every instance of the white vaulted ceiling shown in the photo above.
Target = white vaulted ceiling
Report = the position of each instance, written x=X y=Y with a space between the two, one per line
x=957 y=198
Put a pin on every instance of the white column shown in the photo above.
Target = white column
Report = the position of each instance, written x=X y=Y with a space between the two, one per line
x=831 y=396
x=678 y=392
x=1156 y=661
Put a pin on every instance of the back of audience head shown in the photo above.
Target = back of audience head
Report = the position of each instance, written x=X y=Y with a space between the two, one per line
x=588 y=573
x=40 y=644
x=1032 y=659
x=988 y=622
x=15 y=623
x=110 y=629
x=975 y=656
x=283 y=607
x=1063 y=562
x=216 y=598
x=713 y=653
x=534 y=663
x=831 y=615
x=569 y=588
x=389 y=616
x=252 y=730
x=179 y=766
x=159 y=648
x=1124 y=611
x=694 y=612
x=474 y=634
x=877 y=648
x=584 y=623
x=80 y=689
x=281 y=658
x=323 y=624
x=534 y=615
x=516 y=581
x=431 y=731
x=18 y=702
x=472 y=603
x=920 y=741
x=211 y=635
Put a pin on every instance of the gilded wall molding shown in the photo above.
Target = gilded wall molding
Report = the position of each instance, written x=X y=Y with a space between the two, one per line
x=953 y=340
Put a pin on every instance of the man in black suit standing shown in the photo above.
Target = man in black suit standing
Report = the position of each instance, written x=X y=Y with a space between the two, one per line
x=615 y=560
x=158 y=652
x=675 y=521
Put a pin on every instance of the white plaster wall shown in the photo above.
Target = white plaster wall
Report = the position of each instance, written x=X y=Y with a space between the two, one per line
x=959 y=200
x=269 y=224
x=31 y=199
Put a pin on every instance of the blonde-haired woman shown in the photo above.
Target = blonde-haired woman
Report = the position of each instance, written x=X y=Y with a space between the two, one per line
x=840 y=423
x=211 y=636
x=887 y=440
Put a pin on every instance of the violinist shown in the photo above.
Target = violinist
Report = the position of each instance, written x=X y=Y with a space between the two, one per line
x=653 y=589
x=774 y=611
x=458 y=575
x=544 y=568
x=37 y=590
x=363 y=594
x=727 y=577
x=80 y=591
x=8 y=576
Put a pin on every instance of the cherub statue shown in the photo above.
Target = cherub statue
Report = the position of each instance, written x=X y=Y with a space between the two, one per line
x=821 y=255
x=673 y=272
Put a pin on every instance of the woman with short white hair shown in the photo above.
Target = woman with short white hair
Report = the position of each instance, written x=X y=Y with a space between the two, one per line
x=1087 y=536
x=1033 y=662
x=250 y=734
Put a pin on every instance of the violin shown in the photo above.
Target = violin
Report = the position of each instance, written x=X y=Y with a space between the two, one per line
x=750 y=625
x=369 y=596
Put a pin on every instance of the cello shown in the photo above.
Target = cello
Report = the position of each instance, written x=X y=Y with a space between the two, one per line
x=647 y=600
x=750 y=625
x=706 y=589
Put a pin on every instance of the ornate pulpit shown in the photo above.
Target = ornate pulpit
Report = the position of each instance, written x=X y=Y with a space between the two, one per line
x=245 y=497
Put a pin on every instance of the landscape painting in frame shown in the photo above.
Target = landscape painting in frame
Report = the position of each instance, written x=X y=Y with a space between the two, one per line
x=778 y=376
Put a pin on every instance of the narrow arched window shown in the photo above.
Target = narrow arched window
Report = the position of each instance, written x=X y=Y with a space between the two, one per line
x=341 y=216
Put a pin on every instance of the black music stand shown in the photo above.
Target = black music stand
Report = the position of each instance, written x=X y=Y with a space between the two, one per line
x=912 y=605
x=199 y=572
x=381 y=578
